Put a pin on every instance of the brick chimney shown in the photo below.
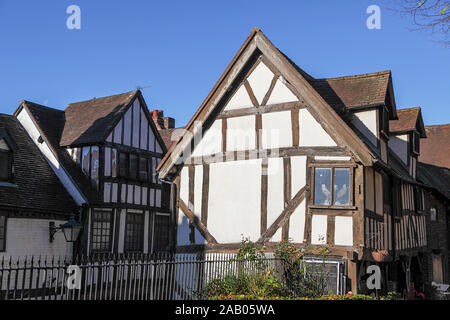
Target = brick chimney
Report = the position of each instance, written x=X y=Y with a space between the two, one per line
x=162 y=122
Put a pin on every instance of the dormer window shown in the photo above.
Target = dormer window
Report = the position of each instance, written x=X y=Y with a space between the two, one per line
x=5 y=161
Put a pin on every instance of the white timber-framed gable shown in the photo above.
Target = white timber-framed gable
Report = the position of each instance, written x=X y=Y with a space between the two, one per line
x=255 y=181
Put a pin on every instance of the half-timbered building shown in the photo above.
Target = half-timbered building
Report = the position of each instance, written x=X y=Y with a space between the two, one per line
x=104 y=152
x=274 y=154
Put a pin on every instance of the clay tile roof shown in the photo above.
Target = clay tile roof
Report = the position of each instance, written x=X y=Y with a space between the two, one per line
x=89 y=121
x=34 y=186
x=354 y=91
x=435 y=149
x=407 y=120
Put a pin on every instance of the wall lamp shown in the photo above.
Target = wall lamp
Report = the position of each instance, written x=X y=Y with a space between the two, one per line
x=71 y=229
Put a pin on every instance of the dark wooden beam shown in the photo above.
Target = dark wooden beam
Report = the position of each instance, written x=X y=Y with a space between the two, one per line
x=196 y=222
x=284 y=216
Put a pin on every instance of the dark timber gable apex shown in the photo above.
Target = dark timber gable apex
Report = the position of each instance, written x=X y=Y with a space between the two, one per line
x=254 y=47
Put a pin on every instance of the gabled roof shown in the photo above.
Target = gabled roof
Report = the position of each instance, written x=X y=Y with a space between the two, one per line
x=257 y=44
x=370 y=89
x=50 y=122
x=408 y=120
x=35 y=187
x=435 y=177
x=89 y=122
x=435 y=148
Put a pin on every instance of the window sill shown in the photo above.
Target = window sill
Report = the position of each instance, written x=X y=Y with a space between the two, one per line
x=8 y=184
x=332 y=207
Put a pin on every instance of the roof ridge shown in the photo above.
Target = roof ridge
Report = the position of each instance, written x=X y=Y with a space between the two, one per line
x=40 y=105
x=409 y=109
x=110 y=96
x=357 y=76
x=437 y=125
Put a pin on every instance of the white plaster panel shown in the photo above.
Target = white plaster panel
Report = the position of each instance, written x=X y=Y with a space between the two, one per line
x=319 y=229
x=211 y=142
x=198 y=186
x=127 y=128
x=281 y=93
x=298 y=174
x=158 y=198
x=107 y=192
x=275 y=194
x=184 y=184
x=311 y=132
x=199 y=238
x=297 y=224
x=114 y=192
x=239 y=100
x=260 y=80
x=183 y=230
x=136 y=128
x=118 y=132
x=151 y=139
x=366 y=123
x=241 y=133
x=144 y=195
x=276 y=130
x=144 y=130
x=277 y=237
x=235 y=200
x=146 y=231
x=130 y=193
x=343 y=231
x=121 y=239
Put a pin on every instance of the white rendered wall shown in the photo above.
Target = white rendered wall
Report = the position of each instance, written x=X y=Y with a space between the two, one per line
x=260 y=80
x=298 y=174
x=26 y=121
x=297 y=224
x=311 y=132
x=27 y=237
x=399 y=144
x=343 y=231
x=276 y=130
x=239 y=100
x=281 y=93
x=319 y=229
x=211 y=142
x=366 y=122
x=275 y=194
x=241 y=133
x=235 y=200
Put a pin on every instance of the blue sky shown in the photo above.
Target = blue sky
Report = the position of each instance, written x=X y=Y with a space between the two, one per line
x=180 y=48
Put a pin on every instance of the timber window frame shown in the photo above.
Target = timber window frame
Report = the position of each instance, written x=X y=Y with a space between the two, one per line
x=134 y=232
x=3 y=229
x=333 y=167
x=135 y=167
x=159 y=235
x=101 y=230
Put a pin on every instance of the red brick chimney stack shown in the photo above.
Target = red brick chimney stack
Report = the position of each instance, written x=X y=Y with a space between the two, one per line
x=162 y=122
